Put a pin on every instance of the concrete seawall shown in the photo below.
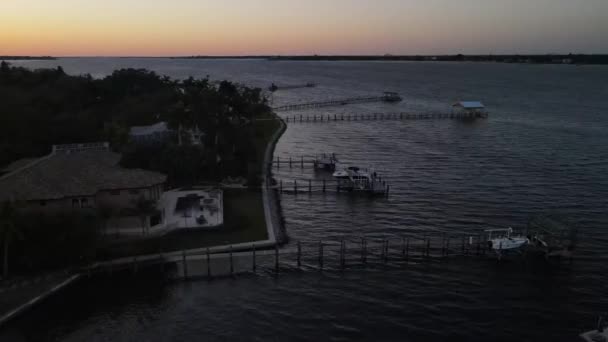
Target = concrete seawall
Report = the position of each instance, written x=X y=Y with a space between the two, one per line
x=272 y=206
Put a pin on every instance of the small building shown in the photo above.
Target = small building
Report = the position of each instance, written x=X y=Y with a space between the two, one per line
x=470 y=108
x=79 y=177
x=152 y=134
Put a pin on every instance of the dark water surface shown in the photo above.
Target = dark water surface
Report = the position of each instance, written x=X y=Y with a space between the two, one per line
x=543 y=149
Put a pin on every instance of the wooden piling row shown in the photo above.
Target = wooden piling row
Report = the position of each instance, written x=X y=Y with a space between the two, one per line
x=382 y=116
x=430 y=246
x=322 y=186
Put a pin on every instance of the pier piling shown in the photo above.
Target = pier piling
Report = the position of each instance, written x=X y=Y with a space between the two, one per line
x=184 y=265
x=231 y=261
x=208 y=264
x=299 y=254
x=276 y=259
x=320 y=255
x=253 y=257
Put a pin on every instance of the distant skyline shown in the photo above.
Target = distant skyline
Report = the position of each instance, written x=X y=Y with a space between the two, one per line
x=295 y=27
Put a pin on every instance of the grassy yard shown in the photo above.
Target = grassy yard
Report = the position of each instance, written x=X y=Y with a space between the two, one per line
x=244 y=219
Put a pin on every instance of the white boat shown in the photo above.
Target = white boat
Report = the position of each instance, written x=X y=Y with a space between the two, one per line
x=353 y=173
x=356 y=179
x=326 y=161
x=503 y=240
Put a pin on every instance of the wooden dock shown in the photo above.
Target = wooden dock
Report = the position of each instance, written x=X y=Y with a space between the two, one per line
x=378 y=187
x=339 y=102
x=350 y=253
x=275 y=87
x=382 y=116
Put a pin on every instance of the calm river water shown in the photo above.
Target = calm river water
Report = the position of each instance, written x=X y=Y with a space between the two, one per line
x=544 y=148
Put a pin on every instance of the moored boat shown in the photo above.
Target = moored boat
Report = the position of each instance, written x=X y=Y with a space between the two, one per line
x=326 y=161
x=503 y=240
x=355 y=179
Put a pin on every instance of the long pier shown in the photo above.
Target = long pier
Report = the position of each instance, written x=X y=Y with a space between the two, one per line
x=383 y=116
x=275 y=87
x=323 y=255
x=296 y=186
x=339 y=102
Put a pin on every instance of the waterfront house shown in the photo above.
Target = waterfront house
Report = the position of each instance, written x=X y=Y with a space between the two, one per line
x=157 y=133
x=79 y=177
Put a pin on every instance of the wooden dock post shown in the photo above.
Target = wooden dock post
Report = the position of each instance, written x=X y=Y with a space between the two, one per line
x=135 y=266
x=335 y=117
x=231 y=261
x=184 y=265
x=363 y=251
x=342 y=117
x=290 y=162
x=463 y=239
x=387 y=191
x=385 y=253
x=162 y=262
x=342 y=250
x=299 y=254
x=276 y=258
x=253 y=261
x=320 y=255
x=295 y=186
x=323 y=185
x=208 y=264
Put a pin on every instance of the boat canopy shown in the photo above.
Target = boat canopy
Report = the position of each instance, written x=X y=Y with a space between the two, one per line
x=469 y=105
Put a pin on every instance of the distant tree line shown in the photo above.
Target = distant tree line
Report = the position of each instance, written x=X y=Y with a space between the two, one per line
x=533 y=59
x=39 y=108
x=17 y=58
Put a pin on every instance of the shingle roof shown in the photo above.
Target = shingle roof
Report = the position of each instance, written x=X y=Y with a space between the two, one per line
x=16 y=165
x=60 y=175
x=160 y=127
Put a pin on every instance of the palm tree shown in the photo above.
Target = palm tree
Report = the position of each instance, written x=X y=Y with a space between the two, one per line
x=105 y=213
x=8 y=231
x=144 y=208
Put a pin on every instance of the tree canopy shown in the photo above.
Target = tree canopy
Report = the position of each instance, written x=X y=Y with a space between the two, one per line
x=39 y=108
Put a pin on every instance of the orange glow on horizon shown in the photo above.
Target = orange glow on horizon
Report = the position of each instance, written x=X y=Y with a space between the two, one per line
x=281 y=27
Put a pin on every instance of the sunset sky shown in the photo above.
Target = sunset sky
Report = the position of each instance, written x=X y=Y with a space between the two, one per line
x=254 y=27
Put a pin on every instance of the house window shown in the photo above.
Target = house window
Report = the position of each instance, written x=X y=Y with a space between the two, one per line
x=75 y=203
x=134 y=192
x=84 y=203
x=115 y=192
